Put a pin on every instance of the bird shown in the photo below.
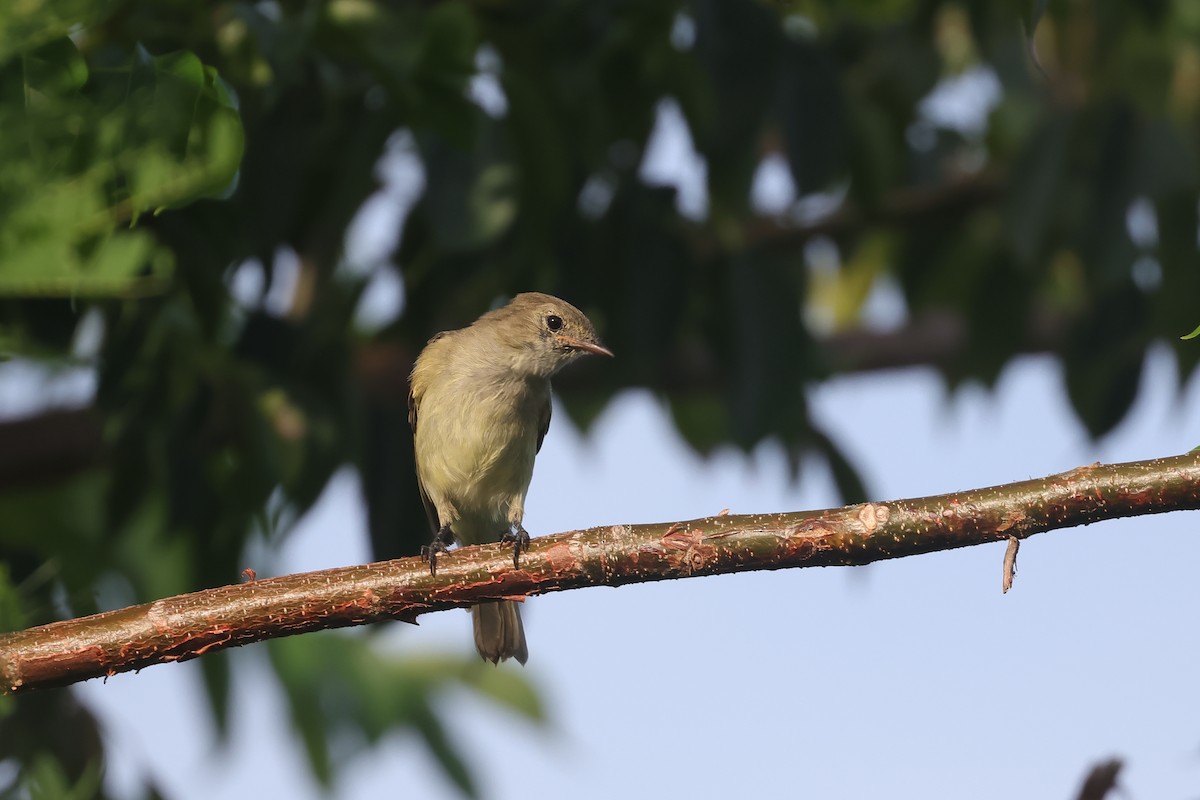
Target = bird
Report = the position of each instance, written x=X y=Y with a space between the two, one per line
x=479 y=407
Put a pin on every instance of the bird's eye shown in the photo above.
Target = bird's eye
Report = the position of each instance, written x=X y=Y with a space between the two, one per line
x=554 y=322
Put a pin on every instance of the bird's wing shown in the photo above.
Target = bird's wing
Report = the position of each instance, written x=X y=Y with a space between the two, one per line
x=543 y=424
x=413 y=407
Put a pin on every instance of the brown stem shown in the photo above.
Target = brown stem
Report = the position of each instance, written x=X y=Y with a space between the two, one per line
x=903 y=206
x=41 y=449
x=187 y=626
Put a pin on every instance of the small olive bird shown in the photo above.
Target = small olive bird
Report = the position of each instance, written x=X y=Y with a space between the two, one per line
x=479 y=406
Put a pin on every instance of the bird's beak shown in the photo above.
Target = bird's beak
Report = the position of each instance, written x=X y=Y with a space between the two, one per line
x=580 y=344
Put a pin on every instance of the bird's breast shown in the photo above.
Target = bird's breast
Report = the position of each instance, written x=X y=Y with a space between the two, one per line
x=476 y=441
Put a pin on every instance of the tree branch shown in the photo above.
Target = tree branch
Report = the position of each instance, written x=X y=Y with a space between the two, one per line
x=950 y=199
x=187 y=626
x=40 y=449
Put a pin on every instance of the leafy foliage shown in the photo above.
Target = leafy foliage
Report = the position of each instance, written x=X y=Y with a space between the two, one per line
x=159 y=154
x=350 y=692
x=89 y=150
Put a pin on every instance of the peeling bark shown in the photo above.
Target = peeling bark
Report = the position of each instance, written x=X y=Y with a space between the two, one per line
x=188 y=626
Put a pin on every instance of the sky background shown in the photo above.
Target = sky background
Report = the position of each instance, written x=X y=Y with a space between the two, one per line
x=912 y=678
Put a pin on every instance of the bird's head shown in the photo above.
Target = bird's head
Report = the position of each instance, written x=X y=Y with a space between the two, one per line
x=543 y=333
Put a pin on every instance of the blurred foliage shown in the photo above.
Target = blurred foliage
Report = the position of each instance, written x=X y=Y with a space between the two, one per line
x=176 y=205
x=88 y=149
x=342 y=693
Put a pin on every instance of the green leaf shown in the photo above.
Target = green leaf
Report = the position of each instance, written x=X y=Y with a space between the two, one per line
x=1103 y=375
x=87 y=153
x=739 y=43
x=471 y=199
x=849 y=483
x=12 y=618
x=215 y=669
x=449 y=40
x=702 y=419
x=32 y=23
x=1037 y=187
x=444 y=750
x=54 y=520
x=510 y=688
x=341 y=686
x=1192 y=335
x=812 y=116
x=47 y=780
x=296 y=672
x=1035 y=17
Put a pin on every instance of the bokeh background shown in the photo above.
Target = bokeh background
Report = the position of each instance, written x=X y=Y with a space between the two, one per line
x=842 y=250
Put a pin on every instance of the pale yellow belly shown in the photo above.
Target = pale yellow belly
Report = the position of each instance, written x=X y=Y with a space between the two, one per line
x=474 y=473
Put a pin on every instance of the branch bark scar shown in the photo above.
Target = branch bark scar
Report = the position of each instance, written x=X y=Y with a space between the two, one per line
x=1011 y=519
x=872 y=515
x=696 y=554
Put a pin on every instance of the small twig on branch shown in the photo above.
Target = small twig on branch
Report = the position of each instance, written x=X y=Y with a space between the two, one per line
x=1010 y=563
x=187 y=626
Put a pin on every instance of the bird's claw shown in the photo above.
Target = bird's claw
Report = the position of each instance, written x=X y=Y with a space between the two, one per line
x=520 y=541
x=440 y=544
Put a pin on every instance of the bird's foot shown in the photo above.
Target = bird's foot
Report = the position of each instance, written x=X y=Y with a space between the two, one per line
x=520 y=541
x=440 y=544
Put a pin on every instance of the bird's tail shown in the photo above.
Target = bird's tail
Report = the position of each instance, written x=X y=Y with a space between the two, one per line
x=499 y=634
